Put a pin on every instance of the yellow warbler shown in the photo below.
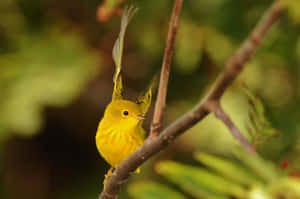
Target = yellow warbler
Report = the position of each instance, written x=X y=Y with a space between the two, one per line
x=120 y=131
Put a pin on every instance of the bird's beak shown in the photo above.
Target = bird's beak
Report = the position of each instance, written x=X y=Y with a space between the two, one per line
x=140 y=117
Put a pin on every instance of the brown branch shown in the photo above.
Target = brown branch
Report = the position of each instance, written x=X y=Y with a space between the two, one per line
x=236 y=62
x=165 y=70
x=216 y=108
x=156 y=143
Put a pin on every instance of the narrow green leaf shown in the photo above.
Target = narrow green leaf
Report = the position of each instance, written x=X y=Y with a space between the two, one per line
x=228 y=169
x=260 y=128
x=199 y=182
x=152 y=190
x=264 y=169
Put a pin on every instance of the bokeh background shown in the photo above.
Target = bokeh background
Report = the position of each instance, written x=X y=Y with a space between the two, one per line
x=56 y=74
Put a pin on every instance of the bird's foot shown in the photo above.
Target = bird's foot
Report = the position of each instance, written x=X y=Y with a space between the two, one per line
x=110 y=171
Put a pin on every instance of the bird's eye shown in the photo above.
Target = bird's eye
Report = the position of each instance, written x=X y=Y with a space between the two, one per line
x=125 y=113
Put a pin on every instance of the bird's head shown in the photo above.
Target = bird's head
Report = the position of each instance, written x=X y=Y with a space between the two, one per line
x=123 y=112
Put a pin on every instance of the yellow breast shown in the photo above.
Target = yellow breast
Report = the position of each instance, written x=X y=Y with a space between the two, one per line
x=116 y=144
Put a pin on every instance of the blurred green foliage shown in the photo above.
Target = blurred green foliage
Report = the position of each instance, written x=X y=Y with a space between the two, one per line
x=30 y=81
x=56 y=73
x=43 y=68
x=293 y=10
x=251 y=177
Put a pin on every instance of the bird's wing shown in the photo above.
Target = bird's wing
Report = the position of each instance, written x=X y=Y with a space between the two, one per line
x=144 y=101
x=118 y=51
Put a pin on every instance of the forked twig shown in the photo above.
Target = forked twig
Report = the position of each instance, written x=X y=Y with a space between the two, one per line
x=234 y=66
x=165 y=71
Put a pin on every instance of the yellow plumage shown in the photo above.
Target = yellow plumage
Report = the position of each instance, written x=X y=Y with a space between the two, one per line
x=120 y=134
x=120 y=130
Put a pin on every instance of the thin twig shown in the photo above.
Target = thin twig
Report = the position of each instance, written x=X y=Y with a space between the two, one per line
x=165 y=70
x=157 y=143
x=235 y=63
x=216 y=108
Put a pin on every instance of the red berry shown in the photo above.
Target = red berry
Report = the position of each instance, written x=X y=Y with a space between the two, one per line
x=284 y=164
x=294 y=174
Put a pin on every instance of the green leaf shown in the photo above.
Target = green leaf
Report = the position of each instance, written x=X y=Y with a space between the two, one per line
x=263 y=168
x=152 y=190
x=228 y=169
x=259 y=128
x=199 y=182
